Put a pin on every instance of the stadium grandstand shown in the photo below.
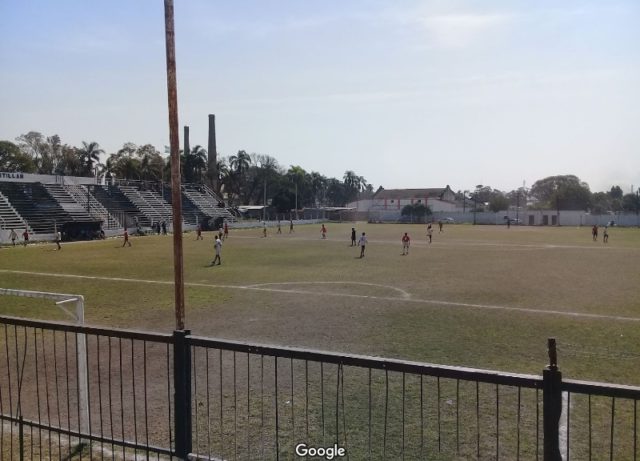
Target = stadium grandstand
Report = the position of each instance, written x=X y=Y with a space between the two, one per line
x=82 y=209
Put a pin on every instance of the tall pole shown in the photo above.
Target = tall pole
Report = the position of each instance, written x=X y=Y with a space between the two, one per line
x=174 y=142
x=264 y=201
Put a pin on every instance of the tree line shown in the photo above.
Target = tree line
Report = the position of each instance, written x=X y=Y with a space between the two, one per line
x=243 y=178
x=560 y=192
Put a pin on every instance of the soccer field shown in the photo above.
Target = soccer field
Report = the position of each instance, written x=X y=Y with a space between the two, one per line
x=478 y=296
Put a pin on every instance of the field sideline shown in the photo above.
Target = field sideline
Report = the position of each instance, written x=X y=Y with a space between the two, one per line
x=478 y=296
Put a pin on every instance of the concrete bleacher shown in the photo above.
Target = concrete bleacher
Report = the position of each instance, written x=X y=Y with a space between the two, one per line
x=207 y=202
x=82 y=196
x=150 y=203
x=78 y=206
x=9 y=217
x=68 y=203
x=120 y=206
x=191 y=214
x=36 y=206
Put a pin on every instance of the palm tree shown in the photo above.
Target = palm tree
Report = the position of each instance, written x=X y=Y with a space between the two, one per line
x=318 y=187
x=223 y=182
x=151 y=163
x=89 y=153
x=194 y=162
x=352 y=184
x=239 y=164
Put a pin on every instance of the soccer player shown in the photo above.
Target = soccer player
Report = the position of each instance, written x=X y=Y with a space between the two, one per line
x=264 y=229
x=199 y=232
x=353 y=237
x=126 y=238
x=58 y=239
x=218 y=246
x=605 y=235
x=594 y=232
x=13 y=236
x=323 y=231
x=279 y=228
x=440 y=225
x=290 y=225
x=226 y=230
x=25 y=236
x=429 y=232
x=405 y=244
x=361 y=243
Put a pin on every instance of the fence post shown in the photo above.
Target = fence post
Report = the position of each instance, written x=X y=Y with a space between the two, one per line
x=551 y=405
x=182 y=393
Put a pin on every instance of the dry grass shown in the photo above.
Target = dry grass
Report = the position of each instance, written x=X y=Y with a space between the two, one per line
x=485 y=297
x=427 y=306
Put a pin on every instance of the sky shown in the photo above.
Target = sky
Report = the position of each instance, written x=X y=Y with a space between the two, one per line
x=407 y=94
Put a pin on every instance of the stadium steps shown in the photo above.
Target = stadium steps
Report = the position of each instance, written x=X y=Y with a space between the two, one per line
x=207 y=202
x=36 y=206
x=149 y=203
x=119 y=205
x=87 y=201
x=191 y=214
x=68 y=203
x=9 y=217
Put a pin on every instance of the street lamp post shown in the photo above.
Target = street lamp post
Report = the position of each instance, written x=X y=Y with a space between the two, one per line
x=557 y=205
x=475 y=202
x=475 y=206
x=264 y=200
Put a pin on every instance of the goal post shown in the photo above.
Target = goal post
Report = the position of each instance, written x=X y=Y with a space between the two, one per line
x=62 y=300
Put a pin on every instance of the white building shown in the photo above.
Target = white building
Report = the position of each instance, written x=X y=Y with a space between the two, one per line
x=387 y=204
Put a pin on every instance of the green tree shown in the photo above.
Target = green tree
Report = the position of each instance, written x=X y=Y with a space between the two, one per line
x=89 y=154
x=615 y=195
x=70 y=163
x=194 y=164
x=498 y=203
x=417 y=211
x=12 y=159
x=631 y=202
x=223 y=172
x=616 y=192
x=336 y=194
x=318 y=185
x=298 y=183
x=565 y=192
x=125 y=164
x=33 y=145
x=151 y=163
x=239 y=165
x=600 y=202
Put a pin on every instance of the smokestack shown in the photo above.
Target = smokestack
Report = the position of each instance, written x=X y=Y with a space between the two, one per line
x=186 y=140
x=212 y=170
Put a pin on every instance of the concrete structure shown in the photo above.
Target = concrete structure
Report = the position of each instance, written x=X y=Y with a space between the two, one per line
x=212 y=164
x=387 y=204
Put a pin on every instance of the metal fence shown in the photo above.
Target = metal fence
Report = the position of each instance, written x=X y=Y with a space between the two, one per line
x=162 y=396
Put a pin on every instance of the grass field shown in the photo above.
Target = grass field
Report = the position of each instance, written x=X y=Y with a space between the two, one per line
x=478 y=296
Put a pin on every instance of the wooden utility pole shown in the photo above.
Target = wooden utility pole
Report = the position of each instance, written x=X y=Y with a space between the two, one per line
x=174 y=141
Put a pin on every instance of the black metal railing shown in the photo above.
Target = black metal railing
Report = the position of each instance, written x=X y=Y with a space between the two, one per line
x=162 y=396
